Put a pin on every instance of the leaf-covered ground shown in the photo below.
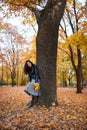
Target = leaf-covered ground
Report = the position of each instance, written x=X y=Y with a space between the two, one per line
x=71 y=114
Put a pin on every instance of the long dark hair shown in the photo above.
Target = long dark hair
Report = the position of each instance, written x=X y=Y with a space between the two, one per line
x=26 y=67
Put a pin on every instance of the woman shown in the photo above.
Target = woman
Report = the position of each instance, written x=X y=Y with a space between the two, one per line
x=33 y=77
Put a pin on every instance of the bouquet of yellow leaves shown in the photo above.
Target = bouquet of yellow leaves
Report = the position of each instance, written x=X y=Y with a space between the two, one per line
x=36 y=86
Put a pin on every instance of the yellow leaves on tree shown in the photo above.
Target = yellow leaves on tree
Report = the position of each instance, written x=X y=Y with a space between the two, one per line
x=69 y=1
x=20 y=4
x=1 y=24
x=77 y=39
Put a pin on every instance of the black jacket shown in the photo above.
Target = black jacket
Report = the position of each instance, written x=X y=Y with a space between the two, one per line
x=34 y=73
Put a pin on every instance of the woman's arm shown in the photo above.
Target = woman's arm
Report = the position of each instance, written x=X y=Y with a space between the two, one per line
x=36 y=74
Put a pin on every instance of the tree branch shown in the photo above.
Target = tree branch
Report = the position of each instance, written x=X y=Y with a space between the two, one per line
x=64 y=51
x=72 y=58
x=63 y=28
x=70 y=20
x=74 y=4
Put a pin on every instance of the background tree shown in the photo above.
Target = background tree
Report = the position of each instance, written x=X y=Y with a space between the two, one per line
x=12 y=42
x=2 y=68
x=65 y=72
x=75 y=18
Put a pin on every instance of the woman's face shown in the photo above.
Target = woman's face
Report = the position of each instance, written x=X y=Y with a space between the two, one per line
x=29 y=64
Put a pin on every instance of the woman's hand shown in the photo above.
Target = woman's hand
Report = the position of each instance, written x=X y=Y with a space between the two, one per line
x=29 y=83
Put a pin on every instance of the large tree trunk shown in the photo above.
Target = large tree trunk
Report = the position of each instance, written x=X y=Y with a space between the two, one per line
x=46 y=44
x=46 y=61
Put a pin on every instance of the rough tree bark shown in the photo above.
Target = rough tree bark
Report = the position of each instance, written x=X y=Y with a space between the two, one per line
x=46 y=44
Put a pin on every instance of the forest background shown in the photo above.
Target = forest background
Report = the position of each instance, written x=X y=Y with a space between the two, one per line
x=18 y=44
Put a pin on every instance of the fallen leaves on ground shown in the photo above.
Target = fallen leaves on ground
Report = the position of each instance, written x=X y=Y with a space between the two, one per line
x=71 y=114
